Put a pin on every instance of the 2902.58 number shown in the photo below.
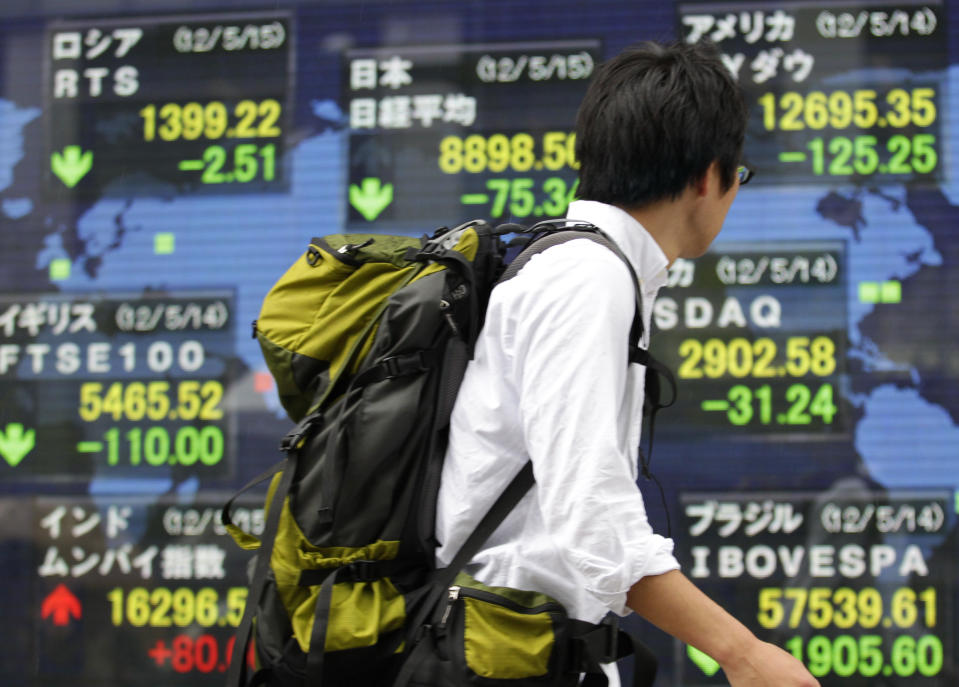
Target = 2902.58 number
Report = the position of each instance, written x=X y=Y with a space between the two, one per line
x=741 y=357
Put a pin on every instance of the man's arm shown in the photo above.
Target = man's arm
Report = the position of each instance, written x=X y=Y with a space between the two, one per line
x=675 y=605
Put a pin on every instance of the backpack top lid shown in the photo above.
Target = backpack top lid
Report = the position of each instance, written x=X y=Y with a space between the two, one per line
x=319 y=319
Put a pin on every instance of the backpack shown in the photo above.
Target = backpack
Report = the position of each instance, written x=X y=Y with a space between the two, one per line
x=367 y=337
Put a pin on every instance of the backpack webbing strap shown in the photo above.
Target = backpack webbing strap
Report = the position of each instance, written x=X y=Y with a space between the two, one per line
x=356 y=571
x=420 y=637
x=590 y=232
x=321 y=620
x=512 y=495
x=245 y=629
x=452 y=259
x=421 y=527
x=655 y=373
x=225 y=518
x=605 y=642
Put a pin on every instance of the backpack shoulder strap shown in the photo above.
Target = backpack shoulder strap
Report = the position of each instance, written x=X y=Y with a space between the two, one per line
x=555 y=232
x=432 y=608
x=559 y=233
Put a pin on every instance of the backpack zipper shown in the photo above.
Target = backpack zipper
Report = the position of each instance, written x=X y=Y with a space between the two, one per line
x=456 y=592
x=351 y=248
x=451 y=596
x=445 y=309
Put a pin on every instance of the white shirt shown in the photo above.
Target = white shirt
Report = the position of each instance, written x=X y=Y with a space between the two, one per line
x=550 y=381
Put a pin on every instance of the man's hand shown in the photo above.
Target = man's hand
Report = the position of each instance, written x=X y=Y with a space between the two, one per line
x=765 y=664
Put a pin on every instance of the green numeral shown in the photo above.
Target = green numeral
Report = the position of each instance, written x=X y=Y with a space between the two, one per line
x=822 y=404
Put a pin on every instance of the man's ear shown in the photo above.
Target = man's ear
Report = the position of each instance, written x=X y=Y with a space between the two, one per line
x=702 y=183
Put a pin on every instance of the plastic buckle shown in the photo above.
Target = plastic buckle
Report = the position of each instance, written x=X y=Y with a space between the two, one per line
x=611 y=645
x=364 y=571
x=421 y=362
x=401 y=365
x=392 y=367
x=420 y=632
x=575 y=653
x=295 y=435
x=431 y=250
x=289 y=442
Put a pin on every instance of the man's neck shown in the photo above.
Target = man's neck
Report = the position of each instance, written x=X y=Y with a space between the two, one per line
x=667 y=222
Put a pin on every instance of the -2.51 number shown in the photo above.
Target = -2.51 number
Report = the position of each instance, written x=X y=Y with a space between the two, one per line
x=249 y=162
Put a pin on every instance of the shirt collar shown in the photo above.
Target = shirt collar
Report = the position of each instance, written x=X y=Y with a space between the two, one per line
x=647 y=258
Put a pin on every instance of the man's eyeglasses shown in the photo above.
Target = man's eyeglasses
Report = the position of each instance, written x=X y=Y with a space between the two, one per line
x=744 y=174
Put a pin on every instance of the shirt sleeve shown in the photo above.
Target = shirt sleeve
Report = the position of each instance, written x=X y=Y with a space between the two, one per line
x=576 y=400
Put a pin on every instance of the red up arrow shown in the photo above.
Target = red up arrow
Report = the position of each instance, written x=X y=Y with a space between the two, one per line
x=61 y=604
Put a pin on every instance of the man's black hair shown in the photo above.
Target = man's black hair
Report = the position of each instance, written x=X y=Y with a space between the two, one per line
x=652 y=121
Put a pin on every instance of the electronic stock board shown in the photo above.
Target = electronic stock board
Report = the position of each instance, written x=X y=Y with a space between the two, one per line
x=161 y=167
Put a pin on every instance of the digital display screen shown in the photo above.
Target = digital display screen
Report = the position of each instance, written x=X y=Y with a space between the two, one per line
x=128 y=587
x=847 y=582
x=162 y=165
x=190 y=103
x=474 y=129
x=757 y=340
x=842 y=91
x=118 y=385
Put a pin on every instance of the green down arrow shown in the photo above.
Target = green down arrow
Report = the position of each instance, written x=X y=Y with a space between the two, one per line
x=704 y=662
x=15 y=444
x=371 y=197
x=71 y=165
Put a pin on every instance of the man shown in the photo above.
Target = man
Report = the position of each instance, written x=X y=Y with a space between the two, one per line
x=659 y=138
